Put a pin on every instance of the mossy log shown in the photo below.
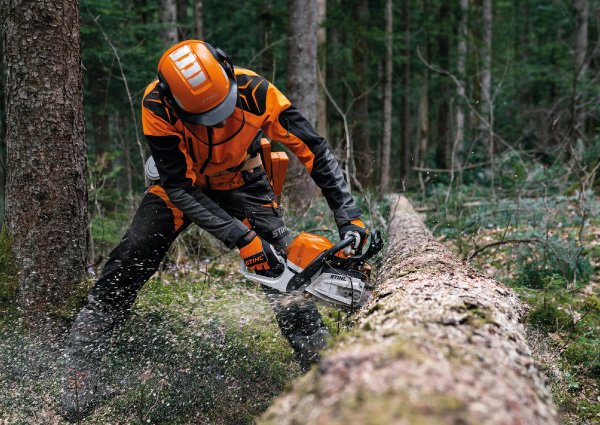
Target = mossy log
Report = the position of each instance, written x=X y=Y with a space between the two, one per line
x=439 y=343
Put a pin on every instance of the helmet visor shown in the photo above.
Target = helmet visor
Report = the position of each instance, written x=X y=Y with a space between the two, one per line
x=217 y=114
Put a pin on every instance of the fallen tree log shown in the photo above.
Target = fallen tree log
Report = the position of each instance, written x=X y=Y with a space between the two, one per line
x=439 y=343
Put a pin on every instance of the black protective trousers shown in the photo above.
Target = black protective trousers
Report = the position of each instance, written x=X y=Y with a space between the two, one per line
x=139 y=254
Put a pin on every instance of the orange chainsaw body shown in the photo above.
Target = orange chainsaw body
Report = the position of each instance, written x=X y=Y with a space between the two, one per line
x=306 y=247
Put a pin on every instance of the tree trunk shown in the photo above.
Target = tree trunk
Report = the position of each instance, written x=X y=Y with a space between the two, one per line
x=46 y=189
x=266 y=23
x=386 y=143
x=461 y=67
x=444 y=143
x=333 y=77
x=439 y=343
x=423 y=130
x=423 y=122
x=361 y=134
x=182 y=15
x=582 y=8
x=168 y=20
x=406 y=127
x=322 y=57
x=302 y=57
x=487 y=106
x=486 y=60
x=302 y=86
x=198 y=21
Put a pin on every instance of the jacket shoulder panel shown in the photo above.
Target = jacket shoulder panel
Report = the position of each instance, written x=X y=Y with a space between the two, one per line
x=252 y=89
x=152 y=102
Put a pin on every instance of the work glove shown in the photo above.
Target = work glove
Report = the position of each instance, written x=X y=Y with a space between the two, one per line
x=357 y=229
x=258 y=254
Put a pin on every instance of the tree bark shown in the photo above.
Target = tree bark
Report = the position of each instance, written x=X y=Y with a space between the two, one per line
x=266 y=23
x=322 y=57
x=444 y=142
x=302 y=86
x=361 y=134
x=182 y=14
x=168 y=20
x=423 y=130
x=487 y=106
x=439 y=343
x=582 y=9
x=423 y=122
x=486 y=59
x=386 y=142
x=406 y=127
x=302 y=57
x=198 y=20
x=332 y=77
x=46 y=190
x=461 y=68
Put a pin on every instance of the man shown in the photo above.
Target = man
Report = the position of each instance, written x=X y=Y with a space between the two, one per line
x=203 y=120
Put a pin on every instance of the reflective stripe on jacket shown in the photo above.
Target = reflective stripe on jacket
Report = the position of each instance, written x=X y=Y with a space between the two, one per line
x=186 y=155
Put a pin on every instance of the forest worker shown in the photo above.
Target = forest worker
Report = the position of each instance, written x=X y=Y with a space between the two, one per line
x=203 y=120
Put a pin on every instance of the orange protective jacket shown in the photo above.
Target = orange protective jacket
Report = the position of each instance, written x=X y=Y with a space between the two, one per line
x=190 y=158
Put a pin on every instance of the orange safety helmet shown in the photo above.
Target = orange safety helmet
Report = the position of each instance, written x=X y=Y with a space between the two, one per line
x=198 y=81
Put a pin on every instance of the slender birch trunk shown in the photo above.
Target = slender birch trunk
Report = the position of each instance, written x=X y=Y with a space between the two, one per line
x=168 y=20
x=198 y=20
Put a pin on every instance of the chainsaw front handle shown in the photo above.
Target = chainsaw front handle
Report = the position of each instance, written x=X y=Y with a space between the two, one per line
x=304 y=277
x=280 y=282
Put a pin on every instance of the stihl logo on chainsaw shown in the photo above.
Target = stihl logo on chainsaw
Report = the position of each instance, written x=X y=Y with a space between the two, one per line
x=338 y=277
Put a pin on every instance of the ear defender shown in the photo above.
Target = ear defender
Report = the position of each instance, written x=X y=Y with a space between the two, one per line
x=223 y=59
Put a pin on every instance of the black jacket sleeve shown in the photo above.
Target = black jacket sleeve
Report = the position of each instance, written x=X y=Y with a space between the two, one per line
x=325 y=171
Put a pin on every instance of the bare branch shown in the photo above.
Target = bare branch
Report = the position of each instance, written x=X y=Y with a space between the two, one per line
x=129 y=97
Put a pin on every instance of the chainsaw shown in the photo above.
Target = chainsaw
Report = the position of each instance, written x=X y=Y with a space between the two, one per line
x=315 y=266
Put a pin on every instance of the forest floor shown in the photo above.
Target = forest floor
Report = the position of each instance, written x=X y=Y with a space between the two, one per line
x=202 y=345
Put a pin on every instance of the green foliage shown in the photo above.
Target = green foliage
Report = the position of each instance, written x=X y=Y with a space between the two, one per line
x=549 y=318
x=558 y=264
x=584 y=352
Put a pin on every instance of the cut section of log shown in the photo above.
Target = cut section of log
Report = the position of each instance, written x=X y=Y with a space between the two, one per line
x=439 y=343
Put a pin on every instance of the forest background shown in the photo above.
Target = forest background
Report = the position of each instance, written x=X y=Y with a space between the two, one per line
x=485 y=112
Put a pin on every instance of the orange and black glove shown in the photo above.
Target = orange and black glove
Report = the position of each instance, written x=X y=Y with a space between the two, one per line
x=357 y=229
x=258 y=254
